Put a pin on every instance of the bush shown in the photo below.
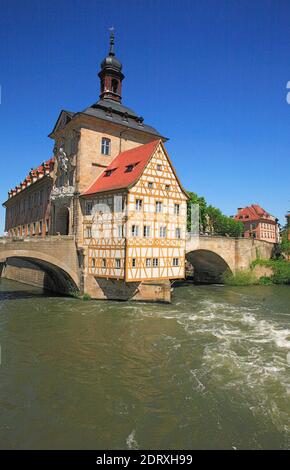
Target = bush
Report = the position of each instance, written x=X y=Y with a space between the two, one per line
x=243 y=277
x=86 y=296
x=265 y=281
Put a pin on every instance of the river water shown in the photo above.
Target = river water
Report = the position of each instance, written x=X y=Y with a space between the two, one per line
x=211 y=370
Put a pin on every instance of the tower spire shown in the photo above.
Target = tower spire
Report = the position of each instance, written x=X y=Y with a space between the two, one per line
x=111 y=75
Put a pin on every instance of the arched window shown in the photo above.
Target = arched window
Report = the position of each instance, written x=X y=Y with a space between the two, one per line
x=115 y=85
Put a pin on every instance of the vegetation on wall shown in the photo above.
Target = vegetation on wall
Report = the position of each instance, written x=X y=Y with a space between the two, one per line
x=285 y=244
x=211 y=219
x=247 y=277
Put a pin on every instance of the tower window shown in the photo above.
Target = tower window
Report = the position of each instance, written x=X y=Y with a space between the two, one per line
x=106 y=146
x=88 y=207
x=115 y=85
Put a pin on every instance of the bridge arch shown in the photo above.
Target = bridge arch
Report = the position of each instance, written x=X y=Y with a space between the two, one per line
x=208 y=266
x=58 y=276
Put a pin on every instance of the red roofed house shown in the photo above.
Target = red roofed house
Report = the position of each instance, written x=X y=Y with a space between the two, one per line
x=112 y=186
x=258 y=223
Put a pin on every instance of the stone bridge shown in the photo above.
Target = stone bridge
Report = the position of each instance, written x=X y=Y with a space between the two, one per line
x=52 y=262
x=55 y=263
x=211 y=256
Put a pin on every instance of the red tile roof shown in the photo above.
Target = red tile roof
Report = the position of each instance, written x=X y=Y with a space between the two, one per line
x=120 y=178
x=253 y=212
x=34 y=173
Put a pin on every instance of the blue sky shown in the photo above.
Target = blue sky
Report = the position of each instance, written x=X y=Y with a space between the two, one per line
x=209 y=74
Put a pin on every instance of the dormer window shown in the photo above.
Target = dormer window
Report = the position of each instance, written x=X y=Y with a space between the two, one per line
x=109 y=172
x=125 y=117
x=106 y=146
x=129 y=168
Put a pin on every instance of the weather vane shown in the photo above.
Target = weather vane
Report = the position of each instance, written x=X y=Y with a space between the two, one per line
x=112 y=39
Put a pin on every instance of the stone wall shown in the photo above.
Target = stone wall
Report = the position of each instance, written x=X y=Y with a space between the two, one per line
x=28 y=273
x=114 y=289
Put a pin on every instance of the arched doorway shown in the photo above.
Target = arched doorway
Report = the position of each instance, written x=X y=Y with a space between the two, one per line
x=61 y=220
x=208 y=267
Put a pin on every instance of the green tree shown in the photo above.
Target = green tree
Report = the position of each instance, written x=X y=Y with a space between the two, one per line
x=212 y=219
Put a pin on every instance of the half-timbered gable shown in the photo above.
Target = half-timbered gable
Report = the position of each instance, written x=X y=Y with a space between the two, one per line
x=135 y=218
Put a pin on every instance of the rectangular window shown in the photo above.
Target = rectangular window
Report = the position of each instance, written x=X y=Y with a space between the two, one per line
x=158 y=206
x=146 y=231
x=47 y=225
x=106 y=146
x=150 y=184
x=162 y=232
x=133 y=262
x=120 y=231
x=104 y=263
x=155 y=262
x=40 y=227
x=159 y=167
x=88 y=208
x=176 y=209
x=138 y=204
x=175 y=261
x=148 y=262
x=167 y=187
x=93 y=262
x=88 y=231
x=28 y=230
x=117 y=263
x=135 y=231
x=177 y=232
x=34 y=228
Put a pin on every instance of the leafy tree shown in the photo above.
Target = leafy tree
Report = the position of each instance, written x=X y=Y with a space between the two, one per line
x=212 y=220
x=193 y=200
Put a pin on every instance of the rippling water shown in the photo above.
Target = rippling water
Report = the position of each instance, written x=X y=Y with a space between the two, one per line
x=211 y=370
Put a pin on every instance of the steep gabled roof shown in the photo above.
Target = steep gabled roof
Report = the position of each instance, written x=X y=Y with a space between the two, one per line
x=117 y=176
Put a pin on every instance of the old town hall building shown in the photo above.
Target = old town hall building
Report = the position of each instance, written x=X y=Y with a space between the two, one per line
x=112 y=186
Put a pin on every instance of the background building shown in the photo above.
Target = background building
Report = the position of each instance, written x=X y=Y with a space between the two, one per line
x=258 y=223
